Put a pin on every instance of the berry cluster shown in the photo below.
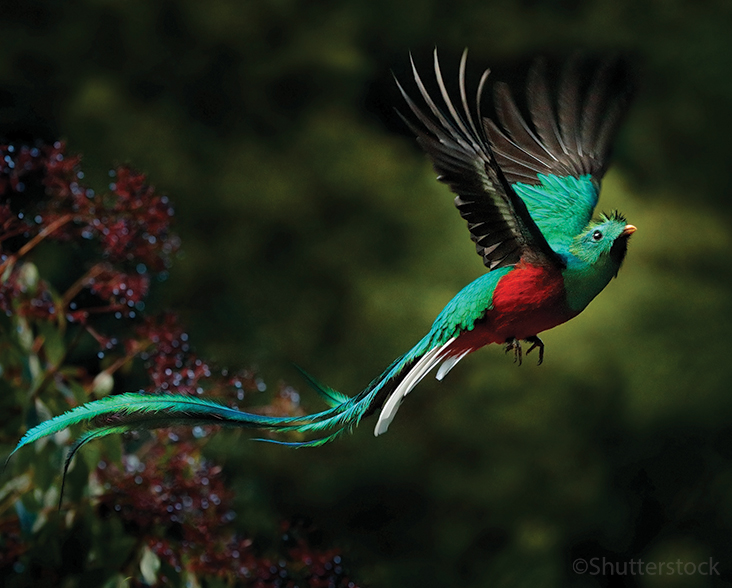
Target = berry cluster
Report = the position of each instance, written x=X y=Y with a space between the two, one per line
x=176 y=502
x=131 y=221
x=180 y=503
x=42 y=198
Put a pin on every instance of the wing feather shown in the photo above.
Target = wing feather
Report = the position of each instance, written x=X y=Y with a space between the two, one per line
x=497 y=217
x=571 y=136
x=542 y=111
x=510 y=118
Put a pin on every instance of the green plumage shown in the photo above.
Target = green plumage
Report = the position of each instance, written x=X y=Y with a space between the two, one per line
x=466 y=307
x=560 y=206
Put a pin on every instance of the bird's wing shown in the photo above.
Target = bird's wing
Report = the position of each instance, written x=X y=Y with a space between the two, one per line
x=557 y=165
x=498 y=219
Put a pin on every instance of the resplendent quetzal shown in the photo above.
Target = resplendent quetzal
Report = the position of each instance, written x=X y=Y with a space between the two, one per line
x=527 y=192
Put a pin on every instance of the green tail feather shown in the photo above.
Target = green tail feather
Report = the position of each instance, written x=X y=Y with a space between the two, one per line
x=78 y=444
x=332 y=397
x=172 y=406
x=130 y=411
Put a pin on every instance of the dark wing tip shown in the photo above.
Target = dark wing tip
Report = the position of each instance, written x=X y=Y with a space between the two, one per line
x=571 y=123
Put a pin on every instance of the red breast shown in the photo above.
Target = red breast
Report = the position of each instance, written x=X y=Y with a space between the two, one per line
x=527 y=300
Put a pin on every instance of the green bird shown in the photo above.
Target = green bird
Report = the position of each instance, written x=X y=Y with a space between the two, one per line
x=527 y=190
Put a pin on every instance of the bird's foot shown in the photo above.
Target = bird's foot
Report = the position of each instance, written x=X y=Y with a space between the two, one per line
x=536 y=342
x=514 y=345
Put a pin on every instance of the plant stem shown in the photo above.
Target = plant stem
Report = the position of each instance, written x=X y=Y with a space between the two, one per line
x=42 y=234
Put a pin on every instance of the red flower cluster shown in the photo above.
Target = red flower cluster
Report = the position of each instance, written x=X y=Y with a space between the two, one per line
x=182 y=507
x=170 y=364
x=18 y=163
x=42 y=198
x=120 y=289
x=134 y=227
x=131 y=221
x=173 y=367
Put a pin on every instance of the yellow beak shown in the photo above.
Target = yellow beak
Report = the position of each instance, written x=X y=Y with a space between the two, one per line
x=628 y=231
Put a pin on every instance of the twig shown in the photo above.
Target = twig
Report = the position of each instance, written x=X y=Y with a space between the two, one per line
x=42 y=234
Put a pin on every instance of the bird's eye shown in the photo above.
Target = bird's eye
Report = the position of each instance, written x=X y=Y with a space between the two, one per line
x=597 y=235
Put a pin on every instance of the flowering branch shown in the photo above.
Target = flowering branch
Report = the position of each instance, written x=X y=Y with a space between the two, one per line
x=175 y=509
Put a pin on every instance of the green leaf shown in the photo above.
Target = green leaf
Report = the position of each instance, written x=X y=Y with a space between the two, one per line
x=53 y=342
x=117 y=581
x=149 y=566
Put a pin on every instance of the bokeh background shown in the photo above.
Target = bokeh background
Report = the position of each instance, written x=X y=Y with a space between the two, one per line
x=313 y=232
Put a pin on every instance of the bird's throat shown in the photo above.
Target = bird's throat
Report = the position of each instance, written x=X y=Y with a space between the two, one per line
x=583 y=281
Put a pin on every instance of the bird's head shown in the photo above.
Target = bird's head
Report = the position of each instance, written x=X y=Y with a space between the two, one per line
x=604 y=241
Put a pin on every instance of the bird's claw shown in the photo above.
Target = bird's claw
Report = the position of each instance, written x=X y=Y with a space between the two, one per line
x=536 y=342
x=514 y=345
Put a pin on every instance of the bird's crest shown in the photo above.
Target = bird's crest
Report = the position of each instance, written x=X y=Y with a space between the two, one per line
x=615 y=215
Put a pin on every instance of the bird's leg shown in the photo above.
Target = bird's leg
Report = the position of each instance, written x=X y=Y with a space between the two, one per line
x=514 y=344
x=536 y=342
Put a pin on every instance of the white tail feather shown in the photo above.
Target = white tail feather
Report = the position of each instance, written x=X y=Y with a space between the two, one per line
x=426 y=363
x=450 y=363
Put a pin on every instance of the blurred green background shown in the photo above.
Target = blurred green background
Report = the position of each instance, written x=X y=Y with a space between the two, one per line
x=313 y=231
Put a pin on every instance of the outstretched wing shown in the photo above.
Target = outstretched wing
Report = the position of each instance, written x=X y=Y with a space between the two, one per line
x=557 y=165
x=498 y=219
